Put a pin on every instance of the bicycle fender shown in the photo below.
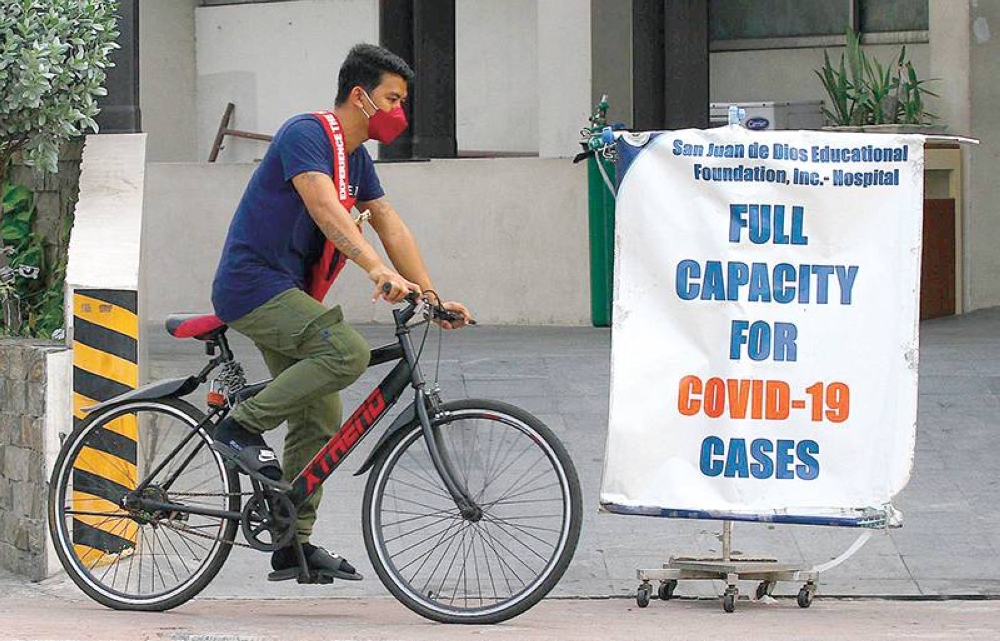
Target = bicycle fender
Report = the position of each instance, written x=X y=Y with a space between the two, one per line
x=170 y=388
x=407 y=417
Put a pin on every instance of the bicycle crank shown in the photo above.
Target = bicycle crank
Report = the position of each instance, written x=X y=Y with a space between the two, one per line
x=268 y=521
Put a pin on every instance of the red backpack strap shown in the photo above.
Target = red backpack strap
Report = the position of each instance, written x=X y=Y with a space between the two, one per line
x=331 y=261
x=336 y=136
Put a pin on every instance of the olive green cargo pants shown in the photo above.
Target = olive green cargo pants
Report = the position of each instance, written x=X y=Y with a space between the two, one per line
x=312 y=355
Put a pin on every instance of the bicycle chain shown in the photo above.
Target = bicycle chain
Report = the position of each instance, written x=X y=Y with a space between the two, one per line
x=187 y=530
x=170 y=524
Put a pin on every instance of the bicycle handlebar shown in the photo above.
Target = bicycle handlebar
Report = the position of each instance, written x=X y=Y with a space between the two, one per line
x=413 y=299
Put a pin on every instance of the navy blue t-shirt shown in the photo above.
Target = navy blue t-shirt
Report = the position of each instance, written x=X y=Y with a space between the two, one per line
x=273 y=241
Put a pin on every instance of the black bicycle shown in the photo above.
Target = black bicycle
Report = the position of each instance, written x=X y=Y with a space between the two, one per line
x=471 y=512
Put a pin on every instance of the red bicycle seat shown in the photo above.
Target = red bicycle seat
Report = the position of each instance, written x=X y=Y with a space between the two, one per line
x=200 y=326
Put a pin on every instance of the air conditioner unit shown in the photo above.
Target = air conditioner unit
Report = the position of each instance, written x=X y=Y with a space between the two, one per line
x=766 y=116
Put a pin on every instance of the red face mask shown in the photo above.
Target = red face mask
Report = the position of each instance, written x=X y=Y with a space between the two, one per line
x=385 y=126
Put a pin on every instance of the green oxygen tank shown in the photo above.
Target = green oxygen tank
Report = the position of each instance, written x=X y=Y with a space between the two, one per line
x=602 y=222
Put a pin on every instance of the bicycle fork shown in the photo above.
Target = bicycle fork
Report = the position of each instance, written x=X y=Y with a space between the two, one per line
x=467 y=506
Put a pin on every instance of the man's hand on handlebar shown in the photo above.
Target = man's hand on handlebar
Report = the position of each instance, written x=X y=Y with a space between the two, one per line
x=453 y=315
x=390 y=285
x=449 y=315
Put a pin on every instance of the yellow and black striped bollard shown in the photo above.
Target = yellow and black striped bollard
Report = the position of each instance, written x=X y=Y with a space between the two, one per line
x=105 y=365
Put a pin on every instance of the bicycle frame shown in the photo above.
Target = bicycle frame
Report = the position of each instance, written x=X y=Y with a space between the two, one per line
x=405 y=374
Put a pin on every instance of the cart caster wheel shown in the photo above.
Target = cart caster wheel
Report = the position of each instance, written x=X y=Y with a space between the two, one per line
x=763 y=589
x=642 y=596
x=729 y=602
x=666 y=590
x=805 y=597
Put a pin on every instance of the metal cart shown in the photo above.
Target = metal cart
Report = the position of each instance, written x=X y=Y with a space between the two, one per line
x=765 y=570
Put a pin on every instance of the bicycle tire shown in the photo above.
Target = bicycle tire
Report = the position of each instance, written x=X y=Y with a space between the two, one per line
x=562 y=552
x=63 y=538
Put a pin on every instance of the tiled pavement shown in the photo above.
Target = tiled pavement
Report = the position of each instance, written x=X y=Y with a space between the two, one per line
x=948 y=545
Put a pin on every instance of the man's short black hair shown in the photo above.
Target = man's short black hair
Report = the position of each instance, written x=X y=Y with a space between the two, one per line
x=365 y=65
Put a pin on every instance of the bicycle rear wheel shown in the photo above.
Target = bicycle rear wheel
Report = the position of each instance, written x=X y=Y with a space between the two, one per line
x=454 y=570
x=127 y=558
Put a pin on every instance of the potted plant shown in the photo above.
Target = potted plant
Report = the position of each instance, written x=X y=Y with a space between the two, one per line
x=864 y=95
x=53 y=60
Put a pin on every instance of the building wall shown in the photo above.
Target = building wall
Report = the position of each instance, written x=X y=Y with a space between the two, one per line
x=167 y=79
x=536 y=89
x=243 y=54
x=276 y=59
x=511 y=243
x=272 y=60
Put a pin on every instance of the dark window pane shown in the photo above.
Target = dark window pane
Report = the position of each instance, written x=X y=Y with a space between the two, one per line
x=879 y=16
x=737 y=19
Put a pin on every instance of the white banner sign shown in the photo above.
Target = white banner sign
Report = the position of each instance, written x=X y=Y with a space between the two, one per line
x=764 y=347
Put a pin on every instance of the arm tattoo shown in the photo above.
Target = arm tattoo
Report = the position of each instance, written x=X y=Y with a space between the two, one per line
x=343 y=243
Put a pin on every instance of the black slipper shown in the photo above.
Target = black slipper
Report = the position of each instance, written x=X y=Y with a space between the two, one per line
x=249 y=453
x=324 y=566
x=259 y=463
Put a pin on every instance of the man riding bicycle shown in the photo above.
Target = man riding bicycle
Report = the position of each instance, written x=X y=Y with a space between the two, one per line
x=290 y=237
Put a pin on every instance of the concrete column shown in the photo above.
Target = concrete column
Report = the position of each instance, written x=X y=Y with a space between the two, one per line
x=982 y=231
x=564 y=75
x=948 y=66
x=949 y=63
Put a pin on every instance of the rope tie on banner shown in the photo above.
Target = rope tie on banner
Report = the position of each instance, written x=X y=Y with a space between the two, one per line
x=603 y=147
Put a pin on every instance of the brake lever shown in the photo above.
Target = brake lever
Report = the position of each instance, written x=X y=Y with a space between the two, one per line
x=450 y=316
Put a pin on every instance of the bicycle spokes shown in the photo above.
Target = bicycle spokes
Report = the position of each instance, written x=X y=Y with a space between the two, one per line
x=482 y=560
x=119 y=544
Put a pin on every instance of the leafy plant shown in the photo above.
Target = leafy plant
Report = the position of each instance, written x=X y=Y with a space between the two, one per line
x=53 y=60
x=21 y=247
x=913 y=91
x=34 y=299
x=864 y=92
x=838 y=88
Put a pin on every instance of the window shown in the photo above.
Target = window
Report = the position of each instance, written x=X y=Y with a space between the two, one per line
x=881 y=16
x=745 y=19
x=773 y=24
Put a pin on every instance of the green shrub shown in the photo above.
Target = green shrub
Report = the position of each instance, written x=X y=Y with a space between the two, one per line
x=53 y=60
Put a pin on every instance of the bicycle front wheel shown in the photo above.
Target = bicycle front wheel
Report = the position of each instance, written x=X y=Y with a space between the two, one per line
x=456 y=570
x=127 y=558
